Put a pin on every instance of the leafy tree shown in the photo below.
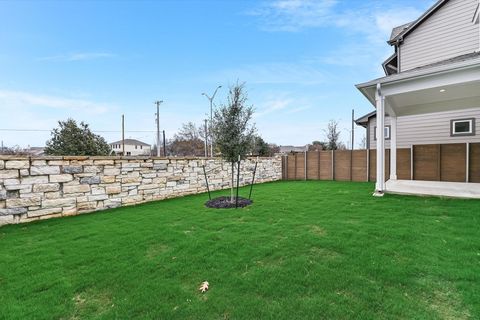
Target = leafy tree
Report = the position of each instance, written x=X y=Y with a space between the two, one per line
x=262 y=148
x=70 y=139
x=317 y=146
x=231 y=128
x=333 y=135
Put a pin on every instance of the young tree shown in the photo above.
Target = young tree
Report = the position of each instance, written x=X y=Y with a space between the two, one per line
x=333 y=135
x=69 y=139
x=231 y=128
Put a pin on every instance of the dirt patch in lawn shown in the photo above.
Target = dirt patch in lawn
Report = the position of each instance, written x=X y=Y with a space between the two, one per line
x=226 y=203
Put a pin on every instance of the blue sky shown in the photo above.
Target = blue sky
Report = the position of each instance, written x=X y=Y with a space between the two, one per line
x=96 y=60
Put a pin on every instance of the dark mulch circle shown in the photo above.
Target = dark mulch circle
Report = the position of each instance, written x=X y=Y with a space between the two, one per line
x=225 y=203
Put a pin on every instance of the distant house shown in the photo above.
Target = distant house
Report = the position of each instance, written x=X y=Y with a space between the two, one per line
x=428 y=102
x=132 y=147
x=35 y=151
x=288 y=149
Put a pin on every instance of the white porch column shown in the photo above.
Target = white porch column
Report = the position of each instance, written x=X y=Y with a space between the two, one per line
x=380 y=104
x=393 y=147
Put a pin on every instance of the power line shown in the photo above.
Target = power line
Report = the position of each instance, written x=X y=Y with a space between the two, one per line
x=104 y=131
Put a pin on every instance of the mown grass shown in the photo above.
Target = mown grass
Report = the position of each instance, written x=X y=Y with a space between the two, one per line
x=304 y=250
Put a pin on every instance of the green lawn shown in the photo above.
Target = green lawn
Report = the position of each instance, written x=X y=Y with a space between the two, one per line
x=304 y=250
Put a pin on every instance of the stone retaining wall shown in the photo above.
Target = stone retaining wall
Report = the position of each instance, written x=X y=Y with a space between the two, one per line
x=46 y=187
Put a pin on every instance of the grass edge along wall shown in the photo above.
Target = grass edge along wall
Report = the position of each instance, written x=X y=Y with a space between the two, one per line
x=45 y=187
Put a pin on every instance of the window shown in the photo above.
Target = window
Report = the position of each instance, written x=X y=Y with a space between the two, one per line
x=141 y=147
x=387 y=133
x=462 y=127
x=129 y=153
x=135 y=146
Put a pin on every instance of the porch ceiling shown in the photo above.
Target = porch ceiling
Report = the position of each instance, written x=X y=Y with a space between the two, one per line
x=436 y=99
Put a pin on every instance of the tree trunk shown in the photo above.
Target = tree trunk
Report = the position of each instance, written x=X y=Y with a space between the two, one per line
x=231 y=190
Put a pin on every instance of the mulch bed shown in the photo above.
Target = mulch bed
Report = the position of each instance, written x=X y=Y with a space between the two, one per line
x=225 y=203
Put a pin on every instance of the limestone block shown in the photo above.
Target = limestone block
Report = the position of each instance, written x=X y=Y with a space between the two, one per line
x=108 y=179
x=69 y=211
x=72 y=169
x=43 y=170
x=6 y=219
x=46 y=187
x=112 y=203
x=147 y=186
x=98 y=197
x=131 y=180
x=169 y=184
x=24 y=172
x=8 y=174
x=17 y=187
x=97 y=190
x=2 y=164
x=90 y=180
x=58 y=162
x=14 y=211
x=52 y=195
x=84 y=206
x=39 y=162
x=111 y=172
x=54 y=203
x=149 y=175
x=76 y=189
x=160 y=166
x=23 y=202
x=17 y=164
x=3 y=204
x=146 y=165
x=61 y=178
x=132 y=164
x=10 y=182
x=3 y=194
x=103 y=162
x=113 y=189
x=92 y=169
x=43 y=212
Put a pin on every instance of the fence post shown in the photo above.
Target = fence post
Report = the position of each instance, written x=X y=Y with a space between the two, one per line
x=351 y=165
x=439 y=163
x=411 y=163
x=467 y=164
x=295 y=166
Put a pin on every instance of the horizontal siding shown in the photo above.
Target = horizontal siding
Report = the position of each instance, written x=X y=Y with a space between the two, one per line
x=430 y=128
x=448 y=33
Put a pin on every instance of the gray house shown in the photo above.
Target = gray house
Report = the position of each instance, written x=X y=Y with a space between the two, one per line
x=430 y=94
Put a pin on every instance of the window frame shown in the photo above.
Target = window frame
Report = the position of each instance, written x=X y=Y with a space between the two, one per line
x=462 y=134
x=389 y=127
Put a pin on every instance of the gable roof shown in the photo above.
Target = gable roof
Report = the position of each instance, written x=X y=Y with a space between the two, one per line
x=131 y=142
x=417 y=22
x=397 y=30
x=363 y=120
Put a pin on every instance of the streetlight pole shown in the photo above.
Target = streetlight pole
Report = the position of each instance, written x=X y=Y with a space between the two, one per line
x=158 y=103
x=211 y=117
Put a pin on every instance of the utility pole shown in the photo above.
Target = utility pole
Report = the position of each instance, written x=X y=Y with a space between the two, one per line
x=123 y=135
x=206 y=145
x=211 y=117
x=164 y=145
x=353 y=128
x=158 y=103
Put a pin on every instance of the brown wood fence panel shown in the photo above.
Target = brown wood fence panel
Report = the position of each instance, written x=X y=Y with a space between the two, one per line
x=342 y=165
x=474 y=163
x=291 y=167
x=312 y=165
x=453 y=159
x=325 y=165
x=300 y=172
x=426 y=162
x=404 y=164
x=359 y=165
x=373 y=165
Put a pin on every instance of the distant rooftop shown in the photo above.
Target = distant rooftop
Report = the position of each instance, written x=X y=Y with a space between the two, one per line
x=132 y=142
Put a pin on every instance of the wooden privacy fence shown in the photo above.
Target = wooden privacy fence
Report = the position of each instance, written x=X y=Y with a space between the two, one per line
x=459 y=162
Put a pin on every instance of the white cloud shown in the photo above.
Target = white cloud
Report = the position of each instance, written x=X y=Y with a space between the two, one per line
x=20 y=99
x=79 y=56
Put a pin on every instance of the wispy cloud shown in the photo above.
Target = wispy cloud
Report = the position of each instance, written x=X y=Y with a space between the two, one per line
x=79 y=56
x=11 y=100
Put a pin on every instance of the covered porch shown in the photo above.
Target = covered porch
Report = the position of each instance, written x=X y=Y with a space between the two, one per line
x=448 y=86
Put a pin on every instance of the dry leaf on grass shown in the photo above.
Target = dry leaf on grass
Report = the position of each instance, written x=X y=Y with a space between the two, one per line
x=203 y=286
